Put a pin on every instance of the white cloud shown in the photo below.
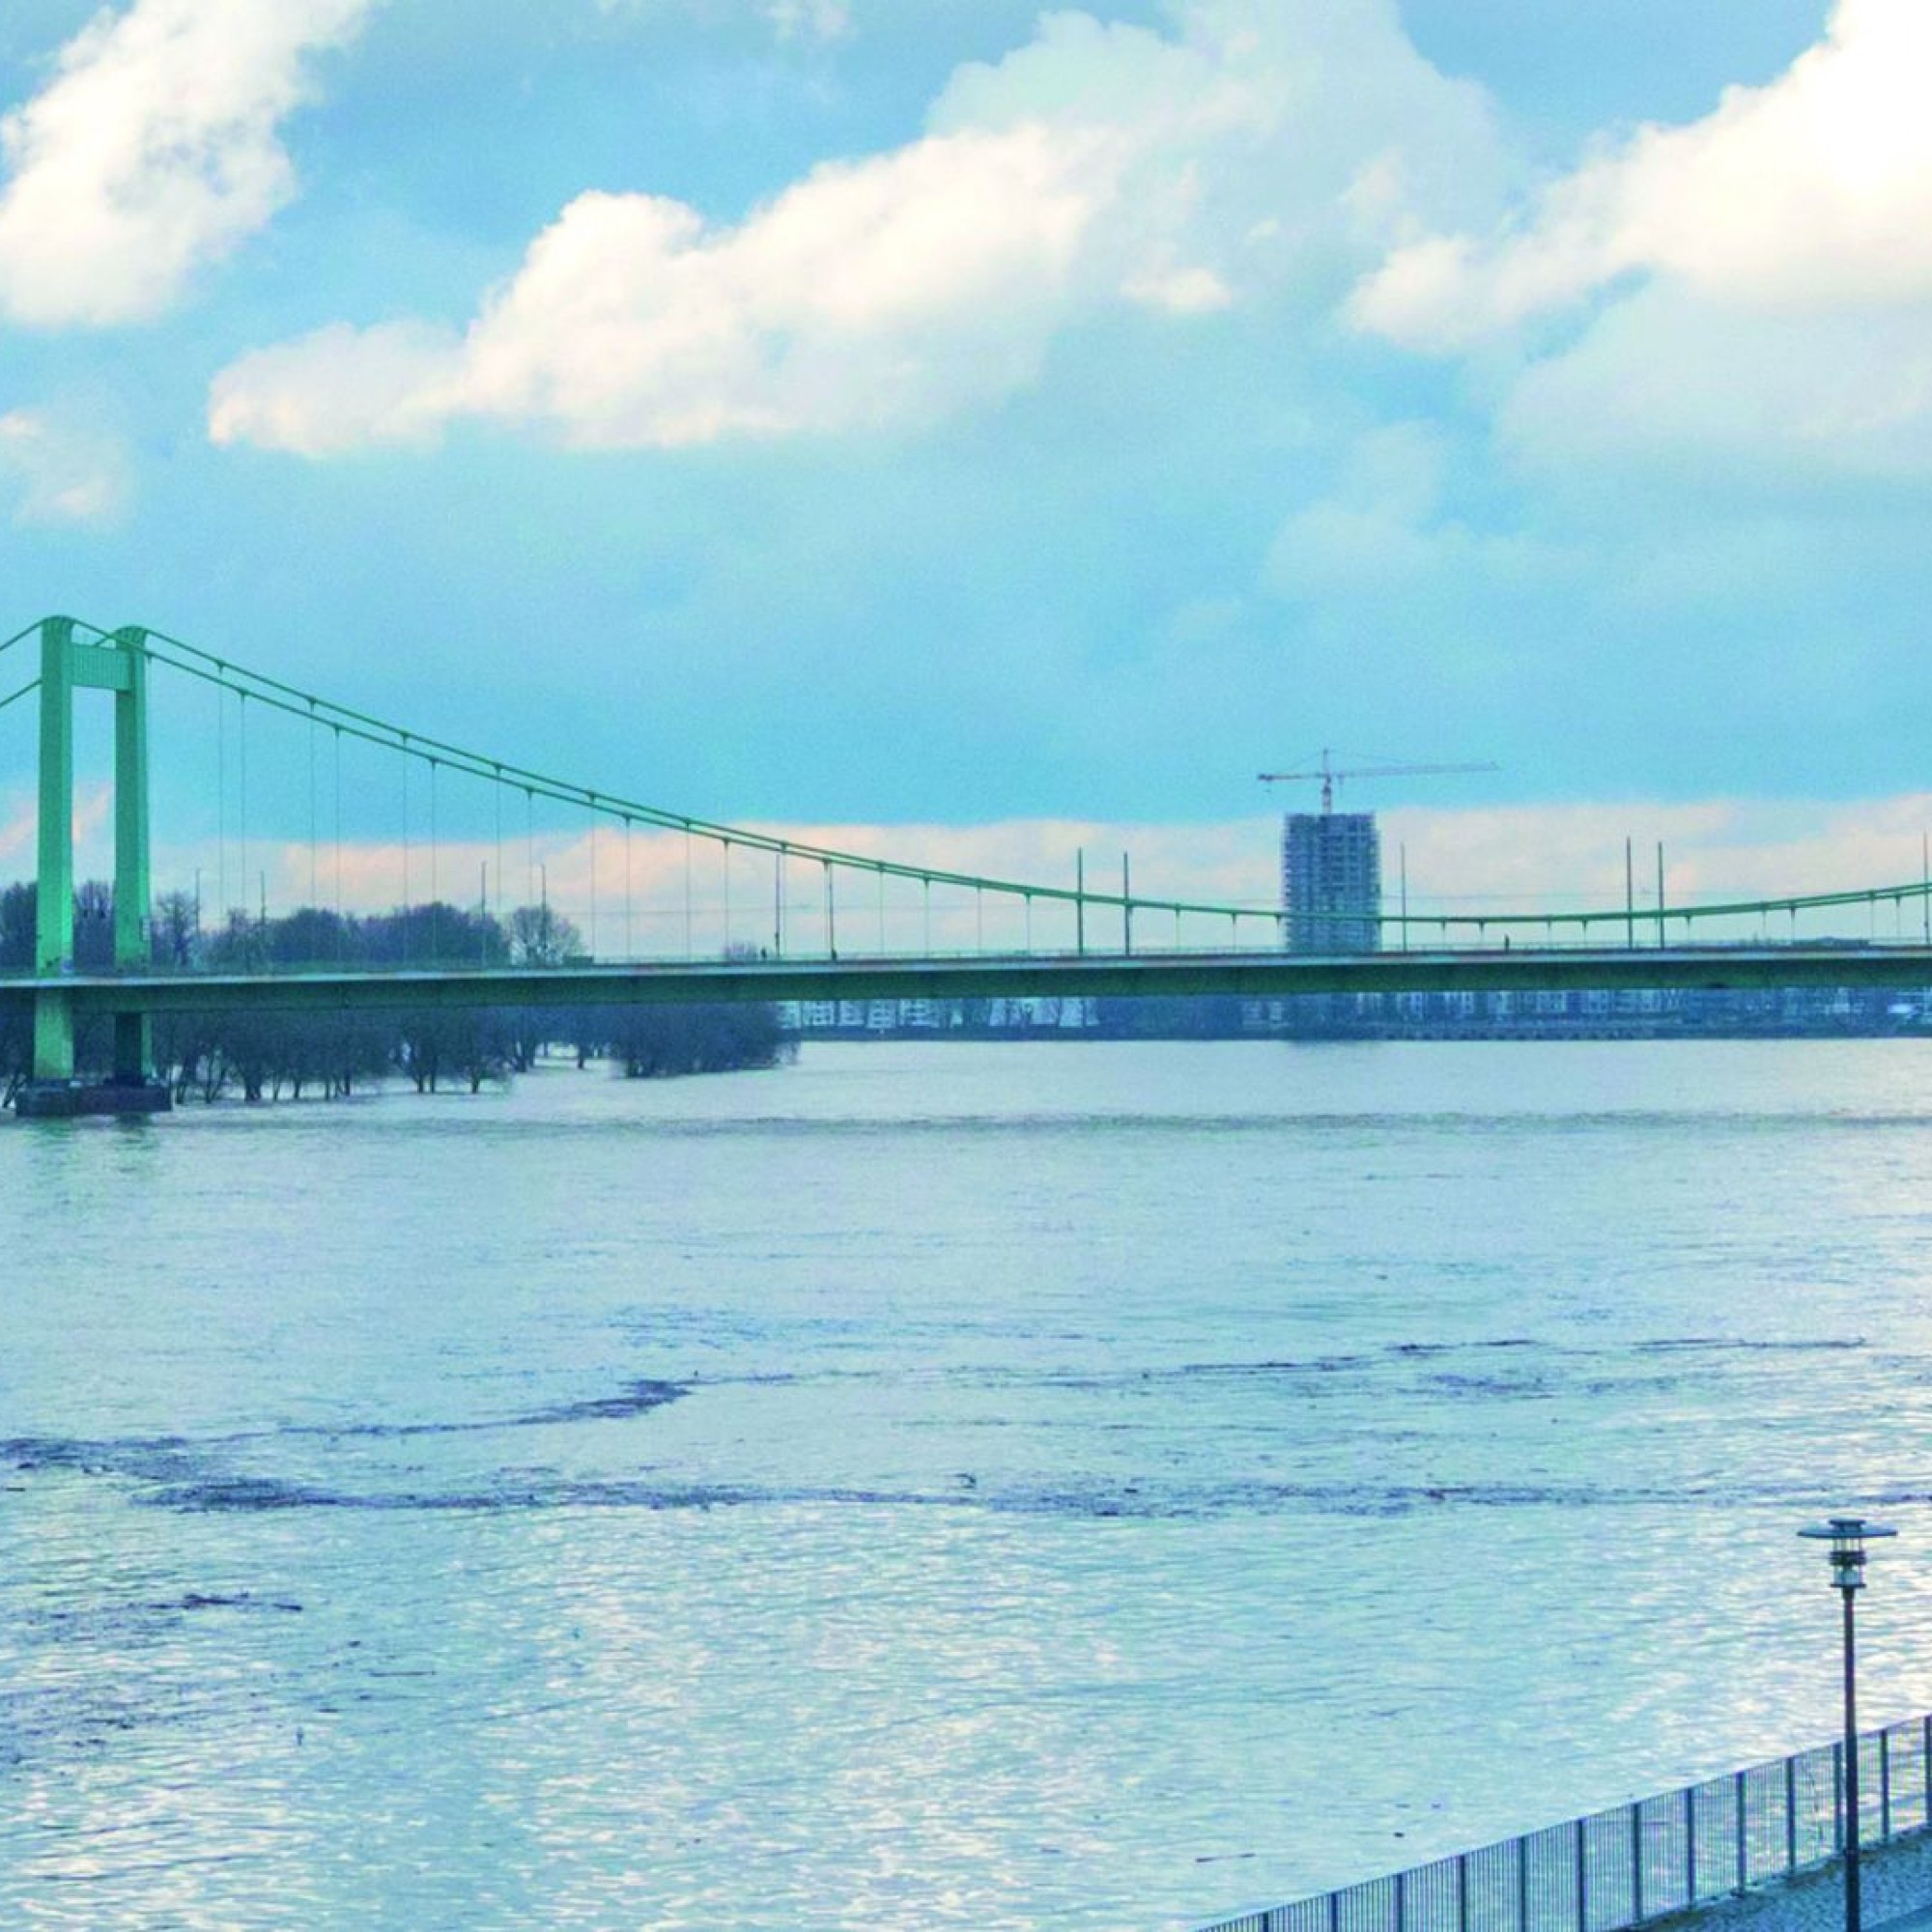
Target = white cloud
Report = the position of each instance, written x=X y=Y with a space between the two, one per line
x=1179 y=290
x=789 y=20
x=1811 y=396
x=1808 y=194
x=810 y=19
x=1754 y=286
x=1385 y=527
x=631 y=325
x=379 y=386
x=20 y=823
x=60 y=472
x=1571 y=856
x=151 y=152
x=1096 y=166
x=1381 y=521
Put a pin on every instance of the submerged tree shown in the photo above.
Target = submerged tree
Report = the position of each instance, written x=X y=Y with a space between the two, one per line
x=18 y=916
x=651 y=1041
x=261 y=1054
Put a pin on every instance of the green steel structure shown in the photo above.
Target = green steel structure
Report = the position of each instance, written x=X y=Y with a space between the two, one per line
x=1123 y=943
x=117 y=664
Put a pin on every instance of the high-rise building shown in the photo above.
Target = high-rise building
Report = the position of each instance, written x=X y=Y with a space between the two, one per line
x=1331 y=882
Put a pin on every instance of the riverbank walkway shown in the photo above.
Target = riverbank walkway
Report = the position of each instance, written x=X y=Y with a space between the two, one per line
x=1896 y=1881
x=1758 y=1850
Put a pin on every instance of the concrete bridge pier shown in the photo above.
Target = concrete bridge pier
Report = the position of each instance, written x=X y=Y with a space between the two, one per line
x=53 y=1036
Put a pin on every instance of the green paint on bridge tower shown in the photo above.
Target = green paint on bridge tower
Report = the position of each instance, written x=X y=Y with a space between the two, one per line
x=68 y=666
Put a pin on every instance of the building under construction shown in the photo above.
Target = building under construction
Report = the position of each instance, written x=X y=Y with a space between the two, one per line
x=1331 y=882
x=1331 y=863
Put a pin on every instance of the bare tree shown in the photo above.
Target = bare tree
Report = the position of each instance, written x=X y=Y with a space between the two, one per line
x=540 y=936
x=175 y=930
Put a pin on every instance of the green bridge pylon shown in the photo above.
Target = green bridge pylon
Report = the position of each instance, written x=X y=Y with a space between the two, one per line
x=68 y=666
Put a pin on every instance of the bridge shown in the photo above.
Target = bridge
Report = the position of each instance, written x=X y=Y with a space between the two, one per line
x=729 y=911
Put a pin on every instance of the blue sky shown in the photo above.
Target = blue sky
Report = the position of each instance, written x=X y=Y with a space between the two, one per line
x=935 y=412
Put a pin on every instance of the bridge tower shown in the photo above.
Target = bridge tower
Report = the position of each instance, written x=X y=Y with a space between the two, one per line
x=68 y=666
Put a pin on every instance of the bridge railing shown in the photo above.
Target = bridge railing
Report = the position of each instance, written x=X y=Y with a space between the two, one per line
x=1643 y=1861
x=1748 y=954
x=469 y=960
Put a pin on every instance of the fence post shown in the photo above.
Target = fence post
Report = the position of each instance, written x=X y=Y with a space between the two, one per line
x=1790 y=1815
x=1461 y=1892
x=1522 y=1885
x=1637 y=1863
x=1582 y=1881
x=1884 y=1786
x=1690 y=1844
x=1744 y=1861
x=1401 y=1902
x=1334 y=1911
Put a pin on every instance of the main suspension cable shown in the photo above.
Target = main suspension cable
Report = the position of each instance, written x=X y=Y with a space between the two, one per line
x=189 y=659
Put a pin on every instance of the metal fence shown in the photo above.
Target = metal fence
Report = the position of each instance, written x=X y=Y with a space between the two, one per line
x=1643 y=1861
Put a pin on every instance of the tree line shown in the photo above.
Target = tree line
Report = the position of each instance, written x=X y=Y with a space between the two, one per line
x=263 y=1056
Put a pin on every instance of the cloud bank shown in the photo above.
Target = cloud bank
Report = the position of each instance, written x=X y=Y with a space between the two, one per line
x=60 y=472
x=1757 y=283
x=152 y=153
x=1098 y=167
x=789 y=20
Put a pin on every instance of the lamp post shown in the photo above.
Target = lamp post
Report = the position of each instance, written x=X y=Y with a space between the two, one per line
x=1847 y=1535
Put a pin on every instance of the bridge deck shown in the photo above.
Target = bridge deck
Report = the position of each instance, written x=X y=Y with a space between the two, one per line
x=1245 y=975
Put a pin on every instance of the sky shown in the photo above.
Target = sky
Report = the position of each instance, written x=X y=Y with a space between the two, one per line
x=947 y=420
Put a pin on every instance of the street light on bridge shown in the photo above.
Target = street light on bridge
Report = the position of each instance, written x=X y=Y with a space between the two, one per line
x=1847 y=1535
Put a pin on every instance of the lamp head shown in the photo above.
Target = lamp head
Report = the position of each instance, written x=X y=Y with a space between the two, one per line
x=1847 y=1535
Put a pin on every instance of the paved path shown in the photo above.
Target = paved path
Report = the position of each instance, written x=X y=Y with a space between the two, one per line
x=1910 y=1921
x=1895 y=1880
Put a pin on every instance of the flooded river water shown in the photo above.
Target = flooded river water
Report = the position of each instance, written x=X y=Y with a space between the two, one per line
x=1049 y=1485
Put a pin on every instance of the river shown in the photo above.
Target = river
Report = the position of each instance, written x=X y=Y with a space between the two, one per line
x=1078 y=1485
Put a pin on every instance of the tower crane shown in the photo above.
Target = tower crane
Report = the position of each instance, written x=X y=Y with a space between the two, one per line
x=1330 y=778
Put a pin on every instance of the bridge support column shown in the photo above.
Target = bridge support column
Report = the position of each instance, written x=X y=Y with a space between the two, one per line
x=53 y=1036
x=53 y=905
x=133 y=889
x=121 y=666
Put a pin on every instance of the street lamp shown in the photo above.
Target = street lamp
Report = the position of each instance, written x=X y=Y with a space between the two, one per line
x=1847 y=1535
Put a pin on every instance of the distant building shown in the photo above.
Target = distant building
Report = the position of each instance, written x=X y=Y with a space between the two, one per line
x=1331 y=882
x=897 y=1018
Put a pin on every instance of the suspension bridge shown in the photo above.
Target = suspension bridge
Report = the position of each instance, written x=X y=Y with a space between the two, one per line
x=686 y=909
